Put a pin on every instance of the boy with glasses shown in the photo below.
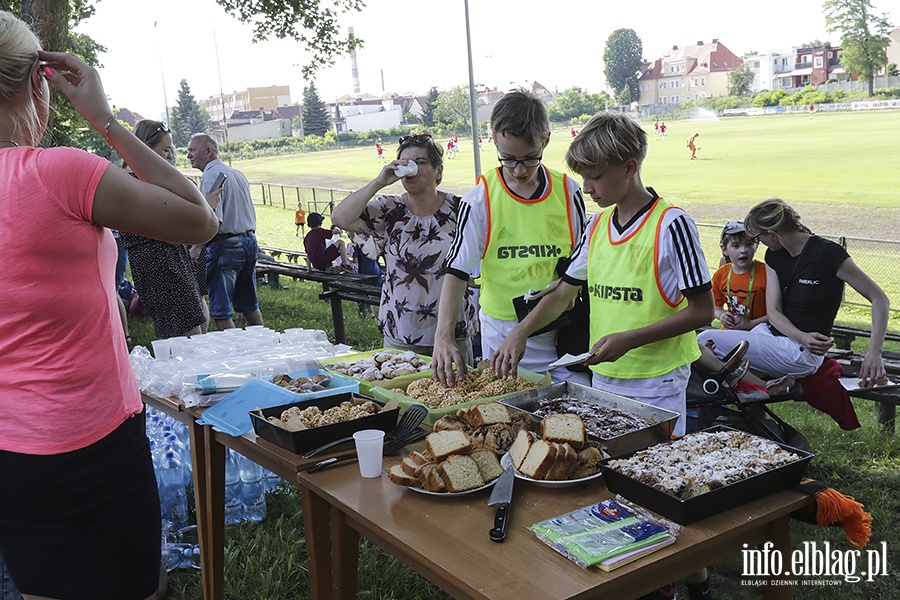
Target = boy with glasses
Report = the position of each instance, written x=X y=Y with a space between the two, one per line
x=648 y=282
x=517 y=223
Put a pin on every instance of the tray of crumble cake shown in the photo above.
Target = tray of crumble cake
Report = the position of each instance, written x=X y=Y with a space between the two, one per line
x=705 y=473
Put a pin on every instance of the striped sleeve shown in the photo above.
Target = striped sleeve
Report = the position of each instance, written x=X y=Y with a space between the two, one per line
x=470 y=239
x=579 y=214
x=682 y=256
x=577 y=272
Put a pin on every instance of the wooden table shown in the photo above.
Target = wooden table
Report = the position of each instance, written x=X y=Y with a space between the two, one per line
x=445 y=539
x=208 y=456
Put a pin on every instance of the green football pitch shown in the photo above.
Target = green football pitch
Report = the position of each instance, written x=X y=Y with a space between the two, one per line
x=842 y=167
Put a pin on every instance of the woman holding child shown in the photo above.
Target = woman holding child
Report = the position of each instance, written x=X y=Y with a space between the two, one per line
x=415 y=229
x=806 y=276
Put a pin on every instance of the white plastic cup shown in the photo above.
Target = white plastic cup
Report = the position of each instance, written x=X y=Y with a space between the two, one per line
x=408 y=170
x=369 y=449
x=162 y=349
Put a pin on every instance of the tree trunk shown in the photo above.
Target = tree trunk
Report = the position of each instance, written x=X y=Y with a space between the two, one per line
x=50 y=21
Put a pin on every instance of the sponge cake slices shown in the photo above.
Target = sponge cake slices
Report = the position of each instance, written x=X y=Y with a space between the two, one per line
x=564 y=428
x=442 y=444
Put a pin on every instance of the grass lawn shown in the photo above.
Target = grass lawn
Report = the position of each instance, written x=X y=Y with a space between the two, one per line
x=840 y=171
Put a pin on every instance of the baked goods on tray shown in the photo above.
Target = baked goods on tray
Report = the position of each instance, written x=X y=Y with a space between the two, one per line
x=461 y=453
x=297 y=419
x=703 y=461
x=473 y=386
x=604 y=422
x=387 y=364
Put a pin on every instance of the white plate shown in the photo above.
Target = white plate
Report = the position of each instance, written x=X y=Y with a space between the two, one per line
x=506 y=461
x=446 y=494
x=568 y=360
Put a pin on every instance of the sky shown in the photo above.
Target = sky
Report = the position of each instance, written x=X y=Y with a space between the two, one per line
x=153 y=44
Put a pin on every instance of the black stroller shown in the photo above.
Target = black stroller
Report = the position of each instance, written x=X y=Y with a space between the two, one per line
x=710 y=402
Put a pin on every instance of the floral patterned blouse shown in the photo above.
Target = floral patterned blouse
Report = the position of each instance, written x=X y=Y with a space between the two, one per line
x=414 y=249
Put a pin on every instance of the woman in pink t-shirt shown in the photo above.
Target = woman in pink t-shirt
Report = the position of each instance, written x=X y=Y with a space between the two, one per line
x=79 y=510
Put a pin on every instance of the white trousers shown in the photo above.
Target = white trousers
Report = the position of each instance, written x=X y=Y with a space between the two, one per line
x=773 y=355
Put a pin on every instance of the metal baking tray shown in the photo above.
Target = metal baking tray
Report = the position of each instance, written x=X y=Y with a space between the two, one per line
x=307 y=439
x=715 y=501
x=663 y=420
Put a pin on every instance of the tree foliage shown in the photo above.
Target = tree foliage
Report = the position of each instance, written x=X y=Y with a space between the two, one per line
x=314 y=113
x=430 y=104
x=622 y=59
x=188 y=117
x=740 y=80
x=53 y=21
x=453 y=108
x=864 y=36
x=574 y=102
x=312 y=22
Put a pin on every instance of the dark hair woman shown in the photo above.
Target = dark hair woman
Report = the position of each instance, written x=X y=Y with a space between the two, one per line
x=415 y=230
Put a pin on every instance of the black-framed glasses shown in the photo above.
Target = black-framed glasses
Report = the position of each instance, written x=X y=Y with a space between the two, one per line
x=416 y=138
x=528 y=163
x=755 y=238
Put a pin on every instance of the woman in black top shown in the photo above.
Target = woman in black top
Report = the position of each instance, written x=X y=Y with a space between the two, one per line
x=806 y=276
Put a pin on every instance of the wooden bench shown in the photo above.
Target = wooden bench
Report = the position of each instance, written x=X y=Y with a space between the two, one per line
x=886 y=398
x=293 y=256
x=844 y=335
x=336 y=287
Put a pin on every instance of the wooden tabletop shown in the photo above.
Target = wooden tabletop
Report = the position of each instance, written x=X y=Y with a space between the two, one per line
x=446 y=538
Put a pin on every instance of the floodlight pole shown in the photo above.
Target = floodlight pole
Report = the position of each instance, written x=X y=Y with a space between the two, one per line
x=161 y=74
x=472 y=97
x=222 y=99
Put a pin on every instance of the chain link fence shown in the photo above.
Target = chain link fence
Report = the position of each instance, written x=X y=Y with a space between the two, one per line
x=878 y=258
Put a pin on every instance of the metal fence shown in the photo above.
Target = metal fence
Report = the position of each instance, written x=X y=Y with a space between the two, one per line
x=320 y=200
x=878 y=258
x=315 y=199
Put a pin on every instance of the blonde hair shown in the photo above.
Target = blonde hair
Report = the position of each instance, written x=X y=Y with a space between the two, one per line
x=774 y=214
x=608 y=138
x=18 y=58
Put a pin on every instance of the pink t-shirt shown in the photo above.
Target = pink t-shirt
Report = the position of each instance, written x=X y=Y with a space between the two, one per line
x=65 y=378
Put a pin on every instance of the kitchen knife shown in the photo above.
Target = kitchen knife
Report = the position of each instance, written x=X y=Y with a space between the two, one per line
x=501 y=496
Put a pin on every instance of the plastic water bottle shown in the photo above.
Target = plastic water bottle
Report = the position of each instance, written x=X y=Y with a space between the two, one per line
x=233 y=495
x=272 y=480
x=253 y=488
x=173 y=496
x=173 y=442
